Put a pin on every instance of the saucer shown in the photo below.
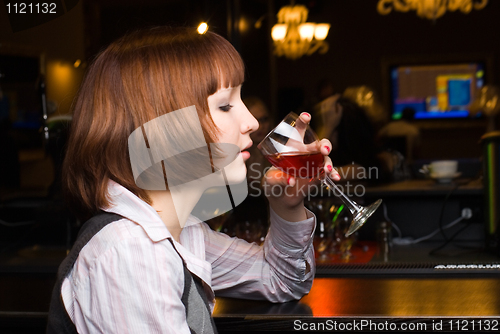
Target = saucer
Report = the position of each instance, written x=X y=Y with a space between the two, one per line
x=444 y=178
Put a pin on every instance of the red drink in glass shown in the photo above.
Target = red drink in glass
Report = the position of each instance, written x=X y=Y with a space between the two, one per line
x=300 y=164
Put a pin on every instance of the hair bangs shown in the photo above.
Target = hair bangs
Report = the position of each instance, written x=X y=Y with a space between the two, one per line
x=227 y=68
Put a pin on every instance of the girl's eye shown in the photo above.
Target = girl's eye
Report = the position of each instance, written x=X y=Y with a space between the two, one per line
x=226 y=107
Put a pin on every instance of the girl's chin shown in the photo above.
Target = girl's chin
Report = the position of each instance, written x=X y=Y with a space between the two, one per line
x=236 y=171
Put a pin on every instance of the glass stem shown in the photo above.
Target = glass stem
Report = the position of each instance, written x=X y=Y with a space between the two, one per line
x=353 y=207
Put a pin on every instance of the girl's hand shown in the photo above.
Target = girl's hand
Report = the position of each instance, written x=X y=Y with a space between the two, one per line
x=286 y=193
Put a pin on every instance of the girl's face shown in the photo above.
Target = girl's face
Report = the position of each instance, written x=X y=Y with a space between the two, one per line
x=234 y=121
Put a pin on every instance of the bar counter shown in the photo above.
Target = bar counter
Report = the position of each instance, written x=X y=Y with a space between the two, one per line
x=460 y=282
x=411 y=285
x=342 y=291
x=395 y=299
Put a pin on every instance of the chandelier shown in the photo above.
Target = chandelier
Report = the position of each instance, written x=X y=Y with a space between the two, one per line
x=294 y=37
x=430 y=9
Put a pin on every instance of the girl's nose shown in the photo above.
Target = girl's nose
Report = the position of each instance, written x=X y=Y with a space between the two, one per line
x=250 y=123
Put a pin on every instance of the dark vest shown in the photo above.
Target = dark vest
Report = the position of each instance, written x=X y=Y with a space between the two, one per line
x=194 y=298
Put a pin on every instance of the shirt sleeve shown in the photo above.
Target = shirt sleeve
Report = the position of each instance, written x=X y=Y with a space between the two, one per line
x=125 y=292
x=281 y=270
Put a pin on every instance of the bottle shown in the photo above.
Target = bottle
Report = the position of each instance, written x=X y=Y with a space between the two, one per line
x=384 y=241
x=321 y=243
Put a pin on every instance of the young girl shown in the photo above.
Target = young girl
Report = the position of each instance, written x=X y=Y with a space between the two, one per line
x=133 y=274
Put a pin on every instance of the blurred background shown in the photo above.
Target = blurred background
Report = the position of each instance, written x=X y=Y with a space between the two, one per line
x=368 y=52
x=365 y=47
x=435 y=71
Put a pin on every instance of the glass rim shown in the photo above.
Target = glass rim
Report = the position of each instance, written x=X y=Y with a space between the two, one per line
x=290 y=114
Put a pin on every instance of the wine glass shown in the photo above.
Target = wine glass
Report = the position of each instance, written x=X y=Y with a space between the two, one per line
x=294 y=148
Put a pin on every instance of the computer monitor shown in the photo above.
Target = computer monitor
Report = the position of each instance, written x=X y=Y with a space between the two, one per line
x=435 y=91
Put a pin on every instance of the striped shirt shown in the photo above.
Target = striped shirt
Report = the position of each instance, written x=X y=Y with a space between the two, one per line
x=129 y=279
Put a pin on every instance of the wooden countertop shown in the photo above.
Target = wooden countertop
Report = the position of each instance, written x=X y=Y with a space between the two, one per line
x=354 y=291
x=348 y=299
x=396 y=297
x=25 y=298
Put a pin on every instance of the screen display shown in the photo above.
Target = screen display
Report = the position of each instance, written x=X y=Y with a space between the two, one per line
x=435 y=91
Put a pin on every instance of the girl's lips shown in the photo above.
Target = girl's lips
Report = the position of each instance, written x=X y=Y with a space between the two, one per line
x=245 y=155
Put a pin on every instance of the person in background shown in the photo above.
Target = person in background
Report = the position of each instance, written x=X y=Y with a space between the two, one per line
x=131 y=275
x=404 y=131
x=325 y=89
x=354 y=149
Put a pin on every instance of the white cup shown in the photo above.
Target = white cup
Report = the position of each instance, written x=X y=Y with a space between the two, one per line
x=443 y=168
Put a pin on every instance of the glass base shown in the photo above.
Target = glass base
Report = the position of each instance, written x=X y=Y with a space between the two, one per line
x=360 y=218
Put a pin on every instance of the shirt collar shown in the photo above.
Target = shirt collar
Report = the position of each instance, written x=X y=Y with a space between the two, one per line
x=128 y=205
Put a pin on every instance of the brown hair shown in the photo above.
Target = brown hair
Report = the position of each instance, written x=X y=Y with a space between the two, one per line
x=141 y=76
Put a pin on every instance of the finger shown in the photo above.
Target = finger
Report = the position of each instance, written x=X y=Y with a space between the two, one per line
x=277 y=177
x=330 y=170
x=313 y=147
x=305 y=117
x=325 y=146
x=302 y=122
